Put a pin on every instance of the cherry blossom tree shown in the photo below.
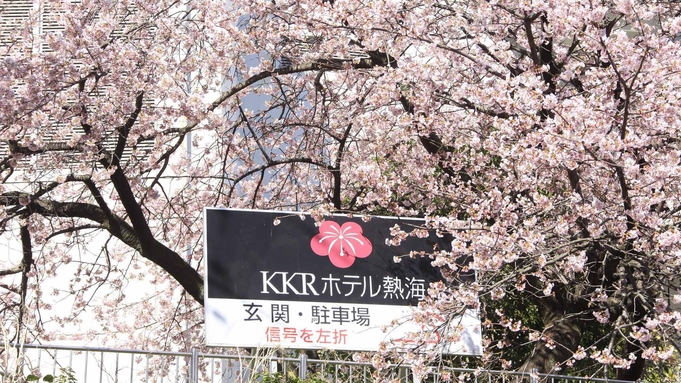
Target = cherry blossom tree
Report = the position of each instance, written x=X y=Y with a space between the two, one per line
x=542 y=136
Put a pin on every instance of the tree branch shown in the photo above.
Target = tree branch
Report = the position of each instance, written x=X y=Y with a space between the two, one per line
x=150 y=247
x=147 y=245
x=534 y=51
x=319 y=65
x=26 y=262
x=336 y=170
x=270 y=164
x=125 y=129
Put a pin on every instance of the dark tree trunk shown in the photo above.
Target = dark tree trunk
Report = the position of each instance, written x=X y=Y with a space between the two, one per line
x=560 y=338
x=635 y=371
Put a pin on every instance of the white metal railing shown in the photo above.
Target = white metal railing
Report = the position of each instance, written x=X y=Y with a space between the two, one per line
x=93 y=364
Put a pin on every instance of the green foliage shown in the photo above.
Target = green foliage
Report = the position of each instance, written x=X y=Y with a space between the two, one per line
x=668 y=371
x=510 y=345
x=66 y=375
x=290 y=378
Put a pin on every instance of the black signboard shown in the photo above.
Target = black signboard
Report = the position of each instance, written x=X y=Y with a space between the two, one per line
x=271 y=255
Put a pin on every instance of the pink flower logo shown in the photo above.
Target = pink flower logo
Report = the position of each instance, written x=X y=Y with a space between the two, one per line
x=341 y=243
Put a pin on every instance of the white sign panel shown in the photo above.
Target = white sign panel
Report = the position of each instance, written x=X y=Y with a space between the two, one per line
x=274 y=280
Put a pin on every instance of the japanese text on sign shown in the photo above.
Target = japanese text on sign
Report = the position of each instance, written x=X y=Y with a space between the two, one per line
x=319 y=314
x=280 y=282
x=276 y=334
